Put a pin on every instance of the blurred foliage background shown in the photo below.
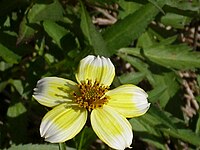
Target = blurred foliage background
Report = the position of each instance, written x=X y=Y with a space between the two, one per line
x=154 y=44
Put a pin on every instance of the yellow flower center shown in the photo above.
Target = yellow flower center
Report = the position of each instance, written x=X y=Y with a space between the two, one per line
x=92 y=95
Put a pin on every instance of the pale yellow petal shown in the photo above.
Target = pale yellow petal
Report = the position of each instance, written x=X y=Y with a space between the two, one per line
x=111 y=127
x=129 y=100
x=51 y=91
x=97 y=68
x=62 y=123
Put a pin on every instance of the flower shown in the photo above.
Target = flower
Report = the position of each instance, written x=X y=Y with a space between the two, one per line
x=72 y=103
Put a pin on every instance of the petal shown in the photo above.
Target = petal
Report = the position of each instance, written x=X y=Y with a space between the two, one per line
x=111 y=127
x=62 y=123
x=129 y=100
x=51 y=91
x=97 y=68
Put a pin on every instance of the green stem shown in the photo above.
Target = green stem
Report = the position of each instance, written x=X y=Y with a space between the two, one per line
x=81 y=140
x=62 y=146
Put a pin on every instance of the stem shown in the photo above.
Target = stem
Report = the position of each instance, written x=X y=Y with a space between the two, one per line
x=81 y=140
x=62 y=146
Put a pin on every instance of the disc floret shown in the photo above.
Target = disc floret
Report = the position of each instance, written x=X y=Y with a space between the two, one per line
x=92 y=95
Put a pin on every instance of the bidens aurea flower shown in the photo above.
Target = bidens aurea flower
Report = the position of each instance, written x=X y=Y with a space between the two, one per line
x=73 y=102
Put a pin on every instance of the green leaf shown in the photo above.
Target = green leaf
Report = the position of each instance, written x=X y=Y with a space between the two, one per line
x=147 y=133
x=127 y=8
x=139 y=65
x=139 y=126
x=157 y=118
x=62 y=146
x=175 y=56
x=145 y=40
x=154 y=94
x=186 y=135
x=17 y=122
x=45 y=11
x=167 y=81
x=16 y=110
x=26 y=33
x=197 y=130
x=3 y=84
x=85 y=138
x=55 y=31
x=171 y=56
x=198 y=79
x=94 y=38
x=18 y=85
x=184 y=5
x=8 y=55
x=4 y=65
x=38 y=12
x=133 y=77
x=37 y=147
x=131 y=27
x=175 y=20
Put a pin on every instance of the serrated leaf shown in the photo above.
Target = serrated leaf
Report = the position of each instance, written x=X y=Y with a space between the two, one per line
x=38 y=12
x=171 y=56
x=186 y=135
x=8 y=55
x=161 y=120
x=131 y=27
x=175 y=56
x=94 y=38
x=147 y=133
x=157 y=118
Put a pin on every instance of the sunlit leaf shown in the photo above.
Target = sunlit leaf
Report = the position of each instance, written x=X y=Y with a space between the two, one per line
x=131 y=27
x=171 y=56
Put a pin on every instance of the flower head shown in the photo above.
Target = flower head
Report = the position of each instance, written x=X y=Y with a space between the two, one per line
x=72 y=103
